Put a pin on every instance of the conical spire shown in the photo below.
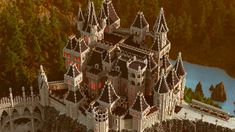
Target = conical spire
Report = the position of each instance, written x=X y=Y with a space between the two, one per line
x=72 y=71
x=156 y=45
x=92 y=19
x=160 y=24
x=80 y=15
x=42 y=75
x=140 y=21
x=166 y=62
x=162 y=86
x=179 y=67
x=102 y=14
x=108 y=94
x=140 y=103
x=172 y=79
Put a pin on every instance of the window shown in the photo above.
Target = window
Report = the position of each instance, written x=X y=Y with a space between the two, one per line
x=117 y=68
x=133 y=75
x=132 y=83
x=96 y=66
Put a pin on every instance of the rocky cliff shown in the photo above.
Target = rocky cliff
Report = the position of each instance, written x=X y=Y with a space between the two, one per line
x=219 y=93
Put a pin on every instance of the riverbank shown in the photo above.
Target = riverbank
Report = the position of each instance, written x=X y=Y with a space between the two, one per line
x=202 y=59
x=208 y=76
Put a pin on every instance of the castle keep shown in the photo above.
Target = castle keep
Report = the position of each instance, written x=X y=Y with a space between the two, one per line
x=117 y=78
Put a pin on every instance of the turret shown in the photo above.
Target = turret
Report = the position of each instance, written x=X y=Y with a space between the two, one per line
x=102 y=18
x=113 y=20
x=73 y=78
x=80 y=19
x=75 y=52
x=180 y=71
x=101 y=119
x=91 y=29
x=160 y=28
x=161 y=96
x=108 y=97
x=136 y=76
x=138 y=110
x=43 y=87
x=139 y=28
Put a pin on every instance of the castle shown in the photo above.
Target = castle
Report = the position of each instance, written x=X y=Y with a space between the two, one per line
x=116 y=78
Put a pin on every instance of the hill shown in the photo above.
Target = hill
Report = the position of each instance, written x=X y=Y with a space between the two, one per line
x=35 y=32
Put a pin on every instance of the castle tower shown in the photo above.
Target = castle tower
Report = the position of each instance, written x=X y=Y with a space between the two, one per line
x=80 y=19
x=173 y=83
x=136 y=76
x=108 y=97
x=139 y=28
x=91 y=30
x=72 y=79
x=160 y=28
x=75 y=52
x=102 y=18
x=101 y=119
x=138 y=110
x=166 y=64
x=161 y=96
x=113 y=20
x=43 y=87
x=179 y=68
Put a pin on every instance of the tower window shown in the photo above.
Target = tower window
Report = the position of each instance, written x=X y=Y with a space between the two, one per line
x=133 y=75
x=117 y=68
x=96 y=66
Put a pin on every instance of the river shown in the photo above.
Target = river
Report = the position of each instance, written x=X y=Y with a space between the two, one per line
x=210 y=75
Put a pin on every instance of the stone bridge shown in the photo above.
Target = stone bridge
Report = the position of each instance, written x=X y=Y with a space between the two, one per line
x=21 y=113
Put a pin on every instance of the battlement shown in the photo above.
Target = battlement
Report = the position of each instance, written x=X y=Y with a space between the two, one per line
x=15 y=98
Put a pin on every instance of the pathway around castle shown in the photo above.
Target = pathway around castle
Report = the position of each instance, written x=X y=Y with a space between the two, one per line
x=193 y=114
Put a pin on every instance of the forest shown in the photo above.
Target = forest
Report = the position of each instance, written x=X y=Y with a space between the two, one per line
x=33 y=33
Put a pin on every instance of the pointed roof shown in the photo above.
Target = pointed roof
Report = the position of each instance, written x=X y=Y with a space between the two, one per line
x=102 y=14
x=179 y=67
x=140 y=21
x=91 y=18
x=74 y=97
x=172 y=79
x=108 y=94
x=160 y=24
x=110 y=12
x=80 y=15
x=166 y=62
x=81 y=46
x=72 y=42
x=140 y=103
x=156 y=45
x=72 y=71
x=162 y=86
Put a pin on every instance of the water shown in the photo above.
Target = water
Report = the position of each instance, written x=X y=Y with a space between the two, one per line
x=210 y=75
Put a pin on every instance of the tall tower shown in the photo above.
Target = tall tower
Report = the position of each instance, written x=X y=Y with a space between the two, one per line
x=139 y=28
x=72 y=79
x=101 y=119
x=91 y=30
x=108 y=97
x=161 y=96
x=180 y=71
x=160 y=28
x=113 y=20
x=80 y=19
x=136 y=76
x=138 y=110
x=75 y=52
x=43 y=87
